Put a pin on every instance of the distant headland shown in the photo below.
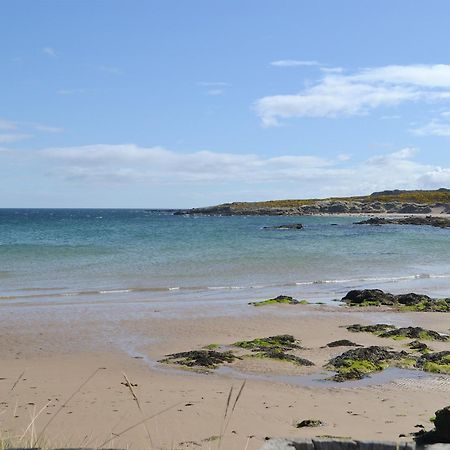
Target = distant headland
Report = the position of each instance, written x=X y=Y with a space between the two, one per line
x=384 y=202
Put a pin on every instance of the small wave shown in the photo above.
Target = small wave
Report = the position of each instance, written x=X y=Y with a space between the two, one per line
x=115 y=291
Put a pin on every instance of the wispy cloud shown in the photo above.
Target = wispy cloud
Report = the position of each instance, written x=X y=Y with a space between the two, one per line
x=214 y=87
x=7 y=124
x=159 y=166
x=358 y=93
x=46 y=128
x=293 y=63
x=50 y=52
x=9 y=138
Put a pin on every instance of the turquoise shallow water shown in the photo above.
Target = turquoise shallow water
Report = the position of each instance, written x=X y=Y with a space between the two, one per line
x=55 y=254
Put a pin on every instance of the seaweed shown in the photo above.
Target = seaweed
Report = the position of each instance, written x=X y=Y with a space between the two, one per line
x=281 y=299
x=209 y=359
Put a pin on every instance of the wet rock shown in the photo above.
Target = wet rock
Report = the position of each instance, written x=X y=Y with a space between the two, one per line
x=438 y=362
x=281 y=299
x=440 y=222
x=275 y=353
x=414 y=333
x=357 y=363
x=343 y=343
x=390 y=331
x=210 y=359
x=378 y=328
x=288 y=226
x=275 y=347
x=283 y=342
x=368 y=297
x=419 y=346
x=441 y=432
x=406 y=302
x=310 y=423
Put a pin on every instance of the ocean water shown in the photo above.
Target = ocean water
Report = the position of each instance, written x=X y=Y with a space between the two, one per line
x=100 y=255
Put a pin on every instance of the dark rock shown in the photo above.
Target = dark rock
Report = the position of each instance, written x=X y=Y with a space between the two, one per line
x=200 y=358
x=440 y=222
x=275 y=353
x=419 y=346
x=343 y=343
x=438 y=362
x=369 y=296
x=310 y=423
x=409 y=302
x=411 y=299
x=414 y=333
x=289 y=226
x=373 y=354
x=281 y=299
x=441 y=432
x=378 y=328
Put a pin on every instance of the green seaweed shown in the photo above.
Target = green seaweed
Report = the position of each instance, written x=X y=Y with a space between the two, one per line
x=211 y=346
x=280 y=300
x=209 y=359
x=282 y=342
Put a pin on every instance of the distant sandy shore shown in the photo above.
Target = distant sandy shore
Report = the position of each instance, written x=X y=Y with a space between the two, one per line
x=48 y=351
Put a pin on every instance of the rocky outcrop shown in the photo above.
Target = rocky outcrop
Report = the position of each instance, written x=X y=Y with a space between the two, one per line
x=407 y=302
x=440 y=222
x=288 y=226
x=386 y=202
x=441 y=432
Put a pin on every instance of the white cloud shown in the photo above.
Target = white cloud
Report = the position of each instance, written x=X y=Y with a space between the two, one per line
x=7 y=124
x=293 y=63
x=49 y=51
x=295 y=174
x=9 y=138
x=358 y=93
x=435 y=127
x=46 y=128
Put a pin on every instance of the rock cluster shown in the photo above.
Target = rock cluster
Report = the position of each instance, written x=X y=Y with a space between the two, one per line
x=439 y=222
x=410 y=301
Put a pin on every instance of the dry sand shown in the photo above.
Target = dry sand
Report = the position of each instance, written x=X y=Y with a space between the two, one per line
x=49 y=350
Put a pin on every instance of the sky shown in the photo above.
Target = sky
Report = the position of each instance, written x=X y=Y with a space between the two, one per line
x=177 y=104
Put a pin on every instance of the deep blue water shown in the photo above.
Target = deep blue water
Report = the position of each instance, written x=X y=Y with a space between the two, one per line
x=89 y=253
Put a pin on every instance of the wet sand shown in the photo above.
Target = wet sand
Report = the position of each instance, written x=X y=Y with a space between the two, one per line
x=48 y=351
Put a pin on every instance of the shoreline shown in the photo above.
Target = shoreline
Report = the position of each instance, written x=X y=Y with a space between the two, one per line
x=63 y=345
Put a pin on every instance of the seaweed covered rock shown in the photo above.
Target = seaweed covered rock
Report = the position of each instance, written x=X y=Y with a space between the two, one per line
x=414 y=333
x=441 y=432
x=288 y=226
x=390 y=331
x=310 y=423
x=275 y=347
x=209 y=359
x=376 y=329
x=276 y=353
x=281 y=299
x=369 y=297
x=343 y=343
x=419 y=346
x=408 y=302
x=357 y=363
x=440 y=222
x=438 y=362
x=283 y=342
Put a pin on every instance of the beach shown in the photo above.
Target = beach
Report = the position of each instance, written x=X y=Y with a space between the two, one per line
x=54 y=353
x=93 y=301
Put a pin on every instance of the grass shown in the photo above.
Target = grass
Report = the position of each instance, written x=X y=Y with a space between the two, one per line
x=423 y=197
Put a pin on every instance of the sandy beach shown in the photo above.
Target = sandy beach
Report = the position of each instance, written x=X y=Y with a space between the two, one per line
x=49 y=350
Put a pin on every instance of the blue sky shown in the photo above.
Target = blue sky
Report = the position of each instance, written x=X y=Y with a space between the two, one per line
x=189 y=103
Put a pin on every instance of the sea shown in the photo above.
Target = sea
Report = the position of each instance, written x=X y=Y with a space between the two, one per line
x=128 y=255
